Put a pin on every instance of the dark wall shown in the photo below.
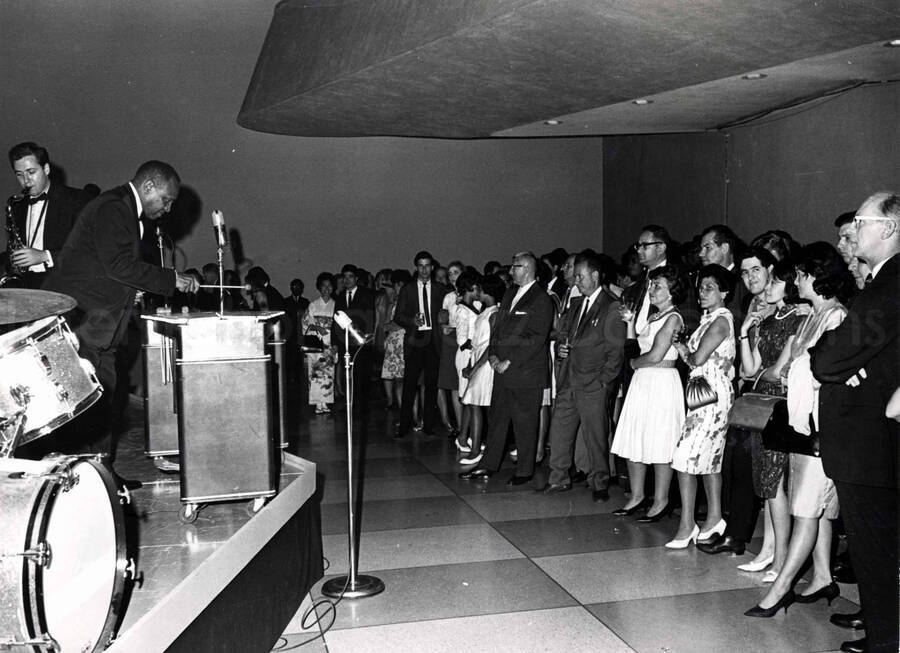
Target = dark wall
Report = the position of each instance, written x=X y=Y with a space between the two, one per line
x=794 y=170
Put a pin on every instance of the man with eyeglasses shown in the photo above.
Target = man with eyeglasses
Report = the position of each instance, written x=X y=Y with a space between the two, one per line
x=846 y=245
x=857 y=366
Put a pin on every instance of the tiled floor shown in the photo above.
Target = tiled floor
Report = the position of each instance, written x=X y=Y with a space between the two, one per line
x=471 y=566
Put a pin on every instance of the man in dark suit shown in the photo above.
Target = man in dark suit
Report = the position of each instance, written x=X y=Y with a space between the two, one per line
x=101 y=267
x=418 y=305
x=589 y=356
x=295 y=307
x=358 y=302
x=719 y=245
x=45 y=215
x=857 y=365
x=519 y=354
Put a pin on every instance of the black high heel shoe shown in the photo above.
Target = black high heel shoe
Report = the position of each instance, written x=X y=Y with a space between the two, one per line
x=652 y=519
x=627 y=512
x=783 y=602
x=829 y=593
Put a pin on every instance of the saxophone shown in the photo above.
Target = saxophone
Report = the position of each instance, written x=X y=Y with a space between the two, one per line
x=13 y=242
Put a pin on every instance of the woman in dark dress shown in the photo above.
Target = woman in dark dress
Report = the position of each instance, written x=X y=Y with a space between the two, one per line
x=763 y=354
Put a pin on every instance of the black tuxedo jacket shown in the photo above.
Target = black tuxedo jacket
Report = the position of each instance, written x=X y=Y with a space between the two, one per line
x=596 y=345
x=63 y=205
x=859 y=444
x=408 y=307
x=361 y=310
x=522 y=336
x=101 y=267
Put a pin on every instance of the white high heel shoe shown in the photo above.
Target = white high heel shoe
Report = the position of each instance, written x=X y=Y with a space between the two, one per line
x=757 y=566
x=683 y=544
x=718 y=529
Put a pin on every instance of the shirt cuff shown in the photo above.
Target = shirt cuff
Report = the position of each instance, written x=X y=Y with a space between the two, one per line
x=48 y=260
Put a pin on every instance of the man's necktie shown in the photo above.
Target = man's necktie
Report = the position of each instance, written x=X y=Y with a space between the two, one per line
x=868 y=280
x=349 y=297
x=425 y=305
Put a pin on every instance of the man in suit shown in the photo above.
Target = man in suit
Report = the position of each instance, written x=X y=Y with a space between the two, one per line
x=358 y=302
x=857 y=365
x=418 y=305
x=589 y=356
x=295 y=307
x=101 y=267
x=45 y=215
x=519 y=354
x=719 y=245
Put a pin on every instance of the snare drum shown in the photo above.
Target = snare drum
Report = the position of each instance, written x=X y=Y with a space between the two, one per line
x=42 y=374
x=62 y=555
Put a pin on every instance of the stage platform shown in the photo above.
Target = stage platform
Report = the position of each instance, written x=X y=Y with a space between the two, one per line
x=227 y=582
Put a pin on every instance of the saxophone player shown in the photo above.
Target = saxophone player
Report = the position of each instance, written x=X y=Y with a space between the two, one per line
x=42 y=217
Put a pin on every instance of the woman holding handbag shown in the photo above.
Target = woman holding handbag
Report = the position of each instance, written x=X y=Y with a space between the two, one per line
x=709 y=353
x=765 y=346
x=822 y=279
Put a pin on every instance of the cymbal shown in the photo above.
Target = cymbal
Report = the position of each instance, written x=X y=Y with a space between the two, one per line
x=26 y=305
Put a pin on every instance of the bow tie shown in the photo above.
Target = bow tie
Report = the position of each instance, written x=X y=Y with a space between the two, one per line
x=39 y=198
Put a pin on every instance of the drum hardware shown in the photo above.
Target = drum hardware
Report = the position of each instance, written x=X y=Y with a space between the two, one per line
x=13 y=425
x=41 y=555
x=124 y=496
x=45 y=641
x=66 y=479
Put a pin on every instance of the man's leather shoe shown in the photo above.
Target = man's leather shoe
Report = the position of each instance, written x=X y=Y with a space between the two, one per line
x=854 y=646
x=556 y=488
x=600 y=495
x=128 y=483
x=842 y=570
x=723 y=544
x=518 y=480
x=852 y=620
x=476 y=473
x=579 y=477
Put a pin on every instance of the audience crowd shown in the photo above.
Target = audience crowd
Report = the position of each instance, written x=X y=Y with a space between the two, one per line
x=611 y=366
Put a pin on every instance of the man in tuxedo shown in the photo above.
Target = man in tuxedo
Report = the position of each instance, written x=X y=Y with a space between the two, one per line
x=358 y=302
x=418 y=305
x=45 y=215
x=857 y=365
x=589 y=356
x=519 y=354
x=101 y=267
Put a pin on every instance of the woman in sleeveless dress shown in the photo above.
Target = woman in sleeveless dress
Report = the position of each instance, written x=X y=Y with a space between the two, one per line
x=709 y=353
x=764 y=345
x=647 y=437
x=822 y=279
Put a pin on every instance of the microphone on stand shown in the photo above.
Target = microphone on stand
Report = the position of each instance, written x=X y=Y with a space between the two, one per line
x=218 y=222
x=343 y=320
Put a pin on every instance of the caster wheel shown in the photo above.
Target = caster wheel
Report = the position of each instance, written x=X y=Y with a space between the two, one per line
x=188 y=513
x=256 y=505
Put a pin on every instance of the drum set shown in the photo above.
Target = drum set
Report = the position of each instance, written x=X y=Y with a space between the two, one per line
x=62 y=542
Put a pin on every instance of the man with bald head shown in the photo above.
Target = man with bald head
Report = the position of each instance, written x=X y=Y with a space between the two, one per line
x=519 y=354
x=857 y=365
x=101 y=267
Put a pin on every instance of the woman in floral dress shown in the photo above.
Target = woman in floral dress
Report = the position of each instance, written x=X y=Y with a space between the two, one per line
x=709 y=353
x=320 y=365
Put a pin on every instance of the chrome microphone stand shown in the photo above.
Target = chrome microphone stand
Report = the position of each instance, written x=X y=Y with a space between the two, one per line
x=352 y=586
x=221 y=283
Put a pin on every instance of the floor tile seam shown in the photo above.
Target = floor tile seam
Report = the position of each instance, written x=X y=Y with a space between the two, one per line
x=671 y=596
x=468 y=616
x=447 y=564
x=607 y=626
x=567 y=555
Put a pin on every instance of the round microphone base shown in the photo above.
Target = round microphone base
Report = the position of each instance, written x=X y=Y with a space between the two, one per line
x=363 y=587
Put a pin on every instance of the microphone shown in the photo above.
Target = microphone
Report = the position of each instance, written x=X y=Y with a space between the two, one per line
x=218 y=221
x=343 y=320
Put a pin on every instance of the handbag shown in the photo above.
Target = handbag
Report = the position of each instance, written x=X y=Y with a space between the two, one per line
x=699 y=393
x=752 y=410
x=778 y=435
x=311 y=343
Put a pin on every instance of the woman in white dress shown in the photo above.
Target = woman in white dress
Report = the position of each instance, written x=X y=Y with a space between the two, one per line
x=479 y=375
x=653 y=413
x=320 y=365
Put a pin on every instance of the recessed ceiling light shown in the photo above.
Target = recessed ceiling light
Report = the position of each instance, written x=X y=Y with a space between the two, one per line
x=642 y=102
x=754 y=76
x=553 y=123
x=895 y=43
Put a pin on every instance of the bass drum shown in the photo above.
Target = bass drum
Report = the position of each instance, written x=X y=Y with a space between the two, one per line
x=62 y=555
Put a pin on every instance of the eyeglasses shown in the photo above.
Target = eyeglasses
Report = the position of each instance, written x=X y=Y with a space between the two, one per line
x=645 y=245
x=859 y=219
